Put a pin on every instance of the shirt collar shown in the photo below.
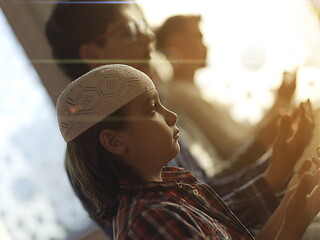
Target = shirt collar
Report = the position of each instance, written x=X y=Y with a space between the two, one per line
x=171 y=176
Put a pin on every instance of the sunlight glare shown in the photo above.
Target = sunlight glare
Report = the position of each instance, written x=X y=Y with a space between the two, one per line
x=250 y=43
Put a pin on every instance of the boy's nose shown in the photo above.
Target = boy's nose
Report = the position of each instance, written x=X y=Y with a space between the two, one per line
x=171 y=117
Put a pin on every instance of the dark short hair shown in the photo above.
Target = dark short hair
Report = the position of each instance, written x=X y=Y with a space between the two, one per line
x=95 y=173
x=172 y=25
x=72 y=24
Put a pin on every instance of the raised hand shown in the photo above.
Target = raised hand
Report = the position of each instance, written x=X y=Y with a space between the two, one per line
x=298 y=207
x=294 y=134
x=308 y=166
x=302 y=200
x=288 y=86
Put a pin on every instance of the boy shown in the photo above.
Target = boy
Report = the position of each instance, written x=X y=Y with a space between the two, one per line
x=119 y=138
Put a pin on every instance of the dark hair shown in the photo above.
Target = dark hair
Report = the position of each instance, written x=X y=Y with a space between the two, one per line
x=72 y=24
x=94 y=172
x=174 y=24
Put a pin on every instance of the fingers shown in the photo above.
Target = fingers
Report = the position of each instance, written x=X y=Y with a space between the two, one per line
x=309 y=107
x=302 y=136
x=314 y=202
x=295 y=118
x=310 y=165
x=316 y=163
x=316 y=179
x=309 y=115
x=305 y=186
x=306 y=166
x=308 y=185
x=304 y=202
x=288 y=85
x=313 y=199
x=290 y=78
x=283 y=131
x=301 y=124
x=296 y=179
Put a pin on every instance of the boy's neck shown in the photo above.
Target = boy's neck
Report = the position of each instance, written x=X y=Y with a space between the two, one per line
x=151 y=176
x=156 y=177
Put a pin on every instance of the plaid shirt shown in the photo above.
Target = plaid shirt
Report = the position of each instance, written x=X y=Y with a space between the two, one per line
x=178 y=208
x=252 y=201
x=246 y=192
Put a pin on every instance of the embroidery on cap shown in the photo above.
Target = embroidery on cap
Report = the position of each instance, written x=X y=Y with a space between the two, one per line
x=75 y=109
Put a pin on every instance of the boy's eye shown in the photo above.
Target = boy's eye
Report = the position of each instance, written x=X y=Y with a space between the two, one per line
x=154 y=107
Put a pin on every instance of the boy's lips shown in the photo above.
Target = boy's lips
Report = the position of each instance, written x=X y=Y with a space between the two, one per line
x=176 y=134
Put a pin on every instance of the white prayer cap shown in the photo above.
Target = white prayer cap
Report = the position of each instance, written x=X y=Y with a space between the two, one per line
x=97 y=94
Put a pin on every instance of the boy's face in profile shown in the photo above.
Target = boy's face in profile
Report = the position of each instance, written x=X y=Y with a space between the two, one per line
x=152 y=135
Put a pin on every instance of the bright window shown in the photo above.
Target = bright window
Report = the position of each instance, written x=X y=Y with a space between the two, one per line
x=250 y=44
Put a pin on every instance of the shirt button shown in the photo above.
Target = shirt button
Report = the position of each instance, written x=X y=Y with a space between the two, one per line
x=195 y=191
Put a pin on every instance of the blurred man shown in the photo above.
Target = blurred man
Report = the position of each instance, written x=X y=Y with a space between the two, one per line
x=181 y=40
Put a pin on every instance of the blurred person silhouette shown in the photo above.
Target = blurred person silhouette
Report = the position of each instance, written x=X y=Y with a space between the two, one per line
x=95 y=34
x=180 y=39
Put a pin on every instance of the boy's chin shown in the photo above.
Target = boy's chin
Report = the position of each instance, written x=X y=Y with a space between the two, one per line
x=176 y=153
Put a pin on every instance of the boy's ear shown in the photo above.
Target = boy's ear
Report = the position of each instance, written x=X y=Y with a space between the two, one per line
x=90 y=51
x=113 y=141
